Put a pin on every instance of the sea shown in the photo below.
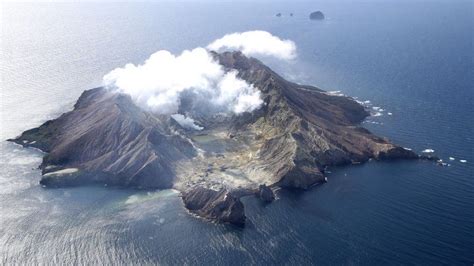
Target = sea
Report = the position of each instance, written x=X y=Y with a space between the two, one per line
x=410 y=62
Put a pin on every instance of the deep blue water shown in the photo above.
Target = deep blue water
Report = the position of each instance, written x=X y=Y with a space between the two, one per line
x=413 y=59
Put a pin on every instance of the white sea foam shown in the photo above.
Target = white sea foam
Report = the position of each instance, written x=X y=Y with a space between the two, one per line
x=463 y=161
x=62 y=172
x=336 y=93
x=427 y=151
x=377 y=114
x=373 y=122
x=452 y=158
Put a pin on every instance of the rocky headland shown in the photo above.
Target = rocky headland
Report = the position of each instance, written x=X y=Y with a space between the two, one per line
x=287 y=143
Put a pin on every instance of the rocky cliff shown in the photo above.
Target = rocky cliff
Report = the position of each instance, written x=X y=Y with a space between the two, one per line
x=288 y=142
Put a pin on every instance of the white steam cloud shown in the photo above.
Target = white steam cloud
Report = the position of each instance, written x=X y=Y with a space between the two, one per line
x=164 y=83
x=255 y=43
x=159 y=83
x=186 y=122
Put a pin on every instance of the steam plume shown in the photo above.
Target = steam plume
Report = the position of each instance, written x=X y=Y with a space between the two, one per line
x=165 y=81
x=255 y=43
x=186 y=122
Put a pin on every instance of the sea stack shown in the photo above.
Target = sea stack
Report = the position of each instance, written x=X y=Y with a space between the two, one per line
x=317 y=15
x=265 y=193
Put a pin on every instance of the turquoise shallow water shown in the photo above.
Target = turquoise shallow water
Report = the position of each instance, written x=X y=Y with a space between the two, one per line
x=415 y=60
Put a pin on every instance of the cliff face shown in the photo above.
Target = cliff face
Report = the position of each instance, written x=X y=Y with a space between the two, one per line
x=288 y=142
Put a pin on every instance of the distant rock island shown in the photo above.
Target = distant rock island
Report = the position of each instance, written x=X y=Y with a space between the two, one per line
x=287 y=143
x=317 y=15
x=279 y=14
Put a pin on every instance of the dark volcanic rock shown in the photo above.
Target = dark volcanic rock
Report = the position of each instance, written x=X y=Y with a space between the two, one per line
x=317 y=15
x=220 y=206
x=265 y=193
x=429 y=157
x=396 y=153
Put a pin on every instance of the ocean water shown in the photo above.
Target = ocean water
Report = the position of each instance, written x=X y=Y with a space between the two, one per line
x=415 y=60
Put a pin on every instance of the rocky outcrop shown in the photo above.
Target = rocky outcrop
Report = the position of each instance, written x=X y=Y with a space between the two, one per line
x=298 y=132
x=220 y=206
x=317 y=15
x=265 y=193
x=397 y=153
